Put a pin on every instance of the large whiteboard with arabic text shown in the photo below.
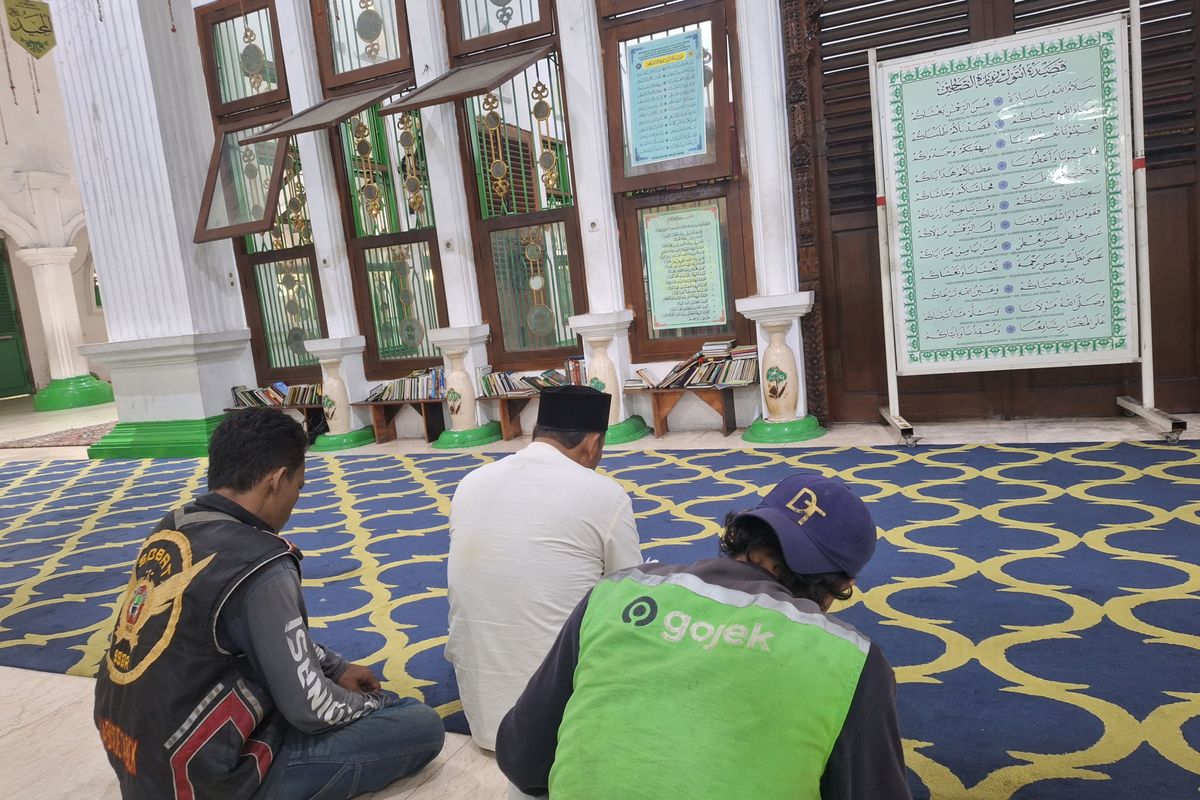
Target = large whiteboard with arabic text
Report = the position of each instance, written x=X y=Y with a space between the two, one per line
x=1008 y=187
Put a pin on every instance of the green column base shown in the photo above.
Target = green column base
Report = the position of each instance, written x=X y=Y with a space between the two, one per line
x=471 y=437
x=797 y=430
x=630 y=430
x=328 y=442
x=181 y=438
x=77 y=392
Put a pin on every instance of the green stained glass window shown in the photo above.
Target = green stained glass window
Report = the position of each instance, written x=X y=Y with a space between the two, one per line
x=518 y=141
x=533 y=286
x=244 y=56
x=287 y=303
x=403 y=288
x=389 y=181
x=365 y=33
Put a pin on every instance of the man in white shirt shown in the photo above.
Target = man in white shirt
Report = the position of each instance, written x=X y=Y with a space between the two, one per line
x=529 y=536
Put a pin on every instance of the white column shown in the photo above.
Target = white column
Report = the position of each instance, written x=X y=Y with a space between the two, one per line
x=341 y=363
x=447 y=181
x=141 y=134
x=583 y=78
x=318 y=170
x=774 y=315
x=764 y=136
x=51 y=268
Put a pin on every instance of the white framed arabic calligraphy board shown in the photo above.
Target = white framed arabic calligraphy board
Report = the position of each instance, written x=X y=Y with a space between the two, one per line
x=1009 y=201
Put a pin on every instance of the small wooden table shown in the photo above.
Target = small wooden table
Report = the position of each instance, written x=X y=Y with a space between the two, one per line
x=383 y=417
x=511 y=407
x=718 y=398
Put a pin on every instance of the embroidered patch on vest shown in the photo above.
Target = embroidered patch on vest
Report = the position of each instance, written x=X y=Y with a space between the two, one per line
x=151 y=605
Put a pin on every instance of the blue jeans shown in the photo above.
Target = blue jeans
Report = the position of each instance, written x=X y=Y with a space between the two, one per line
x=364 y=756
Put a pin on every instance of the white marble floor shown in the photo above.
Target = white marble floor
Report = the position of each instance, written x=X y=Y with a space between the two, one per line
x=46 y=719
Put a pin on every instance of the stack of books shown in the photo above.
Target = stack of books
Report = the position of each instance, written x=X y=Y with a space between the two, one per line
x=550 y=377
x=717 y=350
x=503 y=384
x=422 y=384
x=717 y=365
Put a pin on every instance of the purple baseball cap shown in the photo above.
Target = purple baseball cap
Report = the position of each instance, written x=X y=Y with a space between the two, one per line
x=822 y=526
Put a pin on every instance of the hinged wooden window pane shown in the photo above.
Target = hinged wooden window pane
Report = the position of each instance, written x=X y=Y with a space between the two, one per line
x=242 y=187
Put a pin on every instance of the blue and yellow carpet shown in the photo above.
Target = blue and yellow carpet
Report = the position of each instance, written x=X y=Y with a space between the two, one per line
x=1041 y=603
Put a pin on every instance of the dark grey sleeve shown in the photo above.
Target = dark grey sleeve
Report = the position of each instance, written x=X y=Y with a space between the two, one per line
x=263 y=621
x=867 y=762
x=528 y=735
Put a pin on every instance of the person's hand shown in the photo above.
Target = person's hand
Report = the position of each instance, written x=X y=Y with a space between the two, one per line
x=358 y=678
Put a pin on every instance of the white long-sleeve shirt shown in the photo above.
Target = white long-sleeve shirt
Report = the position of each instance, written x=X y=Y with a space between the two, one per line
x=529 y=536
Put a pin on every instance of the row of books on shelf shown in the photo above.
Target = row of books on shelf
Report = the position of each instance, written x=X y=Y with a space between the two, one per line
x=508 y=384
x=422 y=384
x=719 y=363
x=277 y=394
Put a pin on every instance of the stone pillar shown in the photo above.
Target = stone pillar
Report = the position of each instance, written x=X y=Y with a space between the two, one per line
x=765 y=148
x=141 y=135
x=325 y=214
x=447 y=181
x=606 y=338
x=587 y=117
x=342 y=367
x=464 y=351
x=780 y=374
x=71 y=385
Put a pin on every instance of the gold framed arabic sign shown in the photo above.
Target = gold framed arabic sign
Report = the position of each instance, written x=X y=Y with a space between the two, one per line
x=29 y=25
x=1007 y=172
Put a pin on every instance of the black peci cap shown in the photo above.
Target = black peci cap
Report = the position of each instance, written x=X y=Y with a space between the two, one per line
x=573 y=408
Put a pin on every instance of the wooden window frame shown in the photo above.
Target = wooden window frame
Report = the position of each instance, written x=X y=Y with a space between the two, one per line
x=375 y=367
x=740 y=266
x=215 y=13
x=335 y=80
x=461 y=47
x=489 y=295
x=246 y=263
x=656 y=20
x=223 y=129
x=481 y=234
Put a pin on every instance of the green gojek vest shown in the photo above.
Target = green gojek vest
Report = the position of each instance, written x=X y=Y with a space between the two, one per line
x=686 y=689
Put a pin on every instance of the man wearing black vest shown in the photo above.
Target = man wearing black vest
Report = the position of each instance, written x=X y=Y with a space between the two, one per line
x=212 y=686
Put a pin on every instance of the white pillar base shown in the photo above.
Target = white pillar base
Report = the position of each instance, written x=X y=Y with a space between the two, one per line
x=185 y=377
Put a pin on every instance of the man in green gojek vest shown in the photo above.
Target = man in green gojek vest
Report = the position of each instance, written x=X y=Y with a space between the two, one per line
x=724 y=679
